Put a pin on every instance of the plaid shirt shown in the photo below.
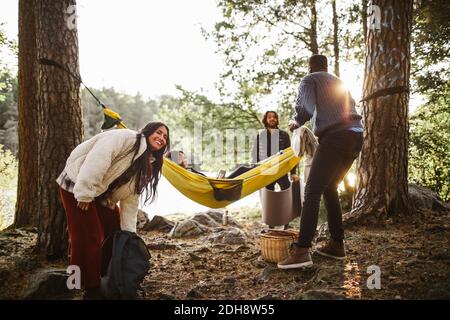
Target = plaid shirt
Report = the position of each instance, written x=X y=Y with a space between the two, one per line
x=64 y=182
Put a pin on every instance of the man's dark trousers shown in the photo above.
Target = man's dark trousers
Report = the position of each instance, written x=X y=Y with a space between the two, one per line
x=333 y=158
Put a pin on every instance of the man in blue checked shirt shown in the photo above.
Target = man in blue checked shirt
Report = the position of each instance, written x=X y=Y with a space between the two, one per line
x=324 y=100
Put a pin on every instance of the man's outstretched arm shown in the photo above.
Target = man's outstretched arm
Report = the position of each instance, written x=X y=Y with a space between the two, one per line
x=305 y=104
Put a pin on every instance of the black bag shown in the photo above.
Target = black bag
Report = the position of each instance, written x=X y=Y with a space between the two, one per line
x=130 y=263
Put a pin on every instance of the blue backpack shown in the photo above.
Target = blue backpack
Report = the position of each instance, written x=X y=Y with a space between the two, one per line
x=129 y=264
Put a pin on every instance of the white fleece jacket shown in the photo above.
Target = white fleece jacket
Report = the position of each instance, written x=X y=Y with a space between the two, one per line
x=94 y=164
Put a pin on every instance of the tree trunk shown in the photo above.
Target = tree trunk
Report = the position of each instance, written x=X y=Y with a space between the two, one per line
x=335 y=38
x=382 y=188
x=364 y=19
x=314 y=47
x=60 y=117
x=27 y=187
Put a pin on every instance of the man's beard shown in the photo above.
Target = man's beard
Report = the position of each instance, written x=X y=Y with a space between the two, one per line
x=272 y=126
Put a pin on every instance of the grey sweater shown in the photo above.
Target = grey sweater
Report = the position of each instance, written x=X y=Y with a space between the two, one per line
x=323 y=99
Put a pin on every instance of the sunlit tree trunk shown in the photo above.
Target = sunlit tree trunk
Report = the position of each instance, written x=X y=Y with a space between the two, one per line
x=364 y=18
x=60 y=118
x=382 y=188
x=314 y=46
x=335 y=38
x=27 y=189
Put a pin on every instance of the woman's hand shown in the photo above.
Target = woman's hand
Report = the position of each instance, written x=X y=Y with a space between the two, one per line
x=295 y=177
x=83 y=205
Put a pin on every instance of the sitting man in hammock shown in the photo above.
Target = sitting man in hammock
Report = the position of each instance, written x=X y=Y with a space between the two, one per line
x=267 y=143
x=179 y=157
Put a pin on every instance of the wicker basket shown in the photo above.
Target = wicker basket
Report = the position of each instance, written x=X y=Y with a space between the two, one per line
x=275 y=244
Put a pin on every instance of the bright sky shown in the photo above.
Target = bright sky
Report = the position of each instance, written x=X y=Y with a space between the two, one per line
x=145 y=46
x=151 y=46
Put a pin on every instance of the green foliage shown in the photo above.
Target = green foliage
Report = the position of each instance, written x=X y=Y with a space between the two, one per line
x=431 y=47
x=8 y=111
x=8 y=186
x=266 y=44
x=5 y=43
x=429 y=150
x=182 y=115
x=250 y=38
x=8 y=97
x=204 y=129
x=351 y=34
x=135 y=112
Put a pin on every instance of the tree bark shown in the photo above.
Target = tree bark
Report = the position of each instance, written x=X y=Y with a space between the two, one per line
x=364 y=19
x=314 y=46
x=60 y=117
x=335 y=38
x=382 y=187
x=27 y=187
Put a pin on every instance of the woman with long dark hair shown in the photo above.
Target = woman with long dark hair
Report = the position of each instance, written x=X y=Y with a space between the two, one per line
x=115 y=166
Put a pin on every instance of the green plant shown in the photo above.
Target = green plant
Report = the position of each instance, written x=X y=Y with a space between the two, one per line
x=8 y=185
x=429 y=149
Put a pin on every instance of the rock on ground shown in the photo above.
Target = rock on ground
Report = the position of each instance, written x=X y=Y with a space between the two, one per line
x=206 y=220
x=229 y=236
x=187 y=228
x=157 y=223
x=217 y=215
x=46 y=283
x=424 y=198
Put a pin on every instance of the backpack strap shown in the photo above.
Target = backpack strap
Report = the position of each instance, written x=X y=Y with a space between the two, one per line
x=120 y=239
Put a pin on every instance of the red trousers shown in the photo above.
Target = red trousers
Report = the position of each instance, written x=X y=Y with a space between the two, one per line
x=87 y=230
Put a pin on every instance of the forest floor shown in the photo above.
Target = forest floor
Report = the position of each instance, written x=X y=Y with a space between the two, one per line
x=412 y=254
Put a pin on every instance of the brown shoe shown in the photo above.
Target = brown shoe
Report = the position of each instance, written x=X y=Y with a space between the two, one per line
x=332 y=249
x=298 y=258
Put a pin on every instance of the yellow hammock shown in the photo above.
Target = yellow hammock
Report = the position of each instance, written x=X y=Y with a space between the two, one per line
x=218 y=193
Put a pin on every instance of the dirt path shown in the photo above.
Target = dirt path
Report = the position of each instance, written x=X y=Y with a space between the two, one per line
x=413 y=257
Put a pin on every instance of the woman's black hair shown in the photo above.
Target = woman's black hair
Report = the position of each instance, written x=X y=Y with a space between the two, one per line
x=145 y=172
x=264 y=119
